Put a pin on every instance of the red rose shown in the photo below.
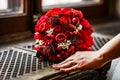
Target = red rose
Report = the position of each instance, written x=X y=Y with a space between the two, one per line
x=65 y=20
x=49 y=38
x=37 y=35
x=85 y=23
x=43 y=27
x=43 y=19
x=53 y=12
x=77 y=13
x=66 y=11
x=60 y=37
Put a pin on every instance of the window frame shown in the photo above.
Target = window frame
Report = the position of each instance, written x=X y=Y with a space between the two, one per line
x=74 y=5
x=15 y=23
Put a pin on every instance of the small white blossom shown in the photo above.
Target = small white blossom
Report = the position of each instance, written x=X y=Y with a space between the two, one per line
x=49 y=31
x=39 y=42
x=65 y=44
x=79 y=28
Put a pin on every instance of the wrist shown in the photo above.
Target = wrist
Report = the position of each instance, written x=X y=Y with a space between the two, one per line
x=102 y=56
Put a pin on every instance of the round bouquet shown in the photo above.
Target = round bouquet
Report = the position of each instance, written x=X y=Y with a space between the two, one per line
x=60 y=33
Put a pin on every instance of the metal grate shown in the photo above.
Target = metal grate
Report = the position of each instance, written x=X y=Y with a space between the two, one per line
x=19 y=61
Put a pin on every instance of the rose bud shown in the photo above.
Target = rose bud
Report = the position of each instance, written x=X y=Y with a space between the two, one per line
x=37 y=47
x=73 y=27
x=37 y=35
x=75 y=20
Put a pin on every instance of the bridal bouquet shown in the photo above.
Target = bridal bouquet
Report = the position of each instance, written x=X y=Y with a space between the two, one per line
x=60 y=33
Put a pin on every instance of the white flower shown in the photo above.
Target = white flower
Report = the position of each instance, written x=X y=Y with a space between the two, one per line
x=39 y=42
x=49 y=31
x=65 y=44
x=79 y=28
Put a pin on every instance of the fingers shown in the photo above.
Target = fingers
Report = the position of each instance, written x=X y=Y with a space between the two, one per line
x=65 y=65
x=74 y=67
x=69 y=69
x=57 y=66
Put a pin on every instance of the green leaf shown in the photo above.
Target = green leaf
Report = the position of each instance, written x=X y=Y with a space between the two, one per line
x=77 y=25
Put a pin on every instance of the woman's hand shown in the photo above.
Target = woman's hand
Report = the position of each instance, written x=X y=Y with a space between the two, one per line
x=91 y=59
x=81 y=61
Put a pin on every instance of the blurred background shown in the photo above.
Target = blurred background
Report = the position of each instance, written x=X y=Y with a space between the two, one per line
x=18 y=17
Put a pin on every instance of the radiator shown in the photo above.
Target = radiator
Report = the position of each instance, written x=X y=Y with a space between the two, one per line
x=20 y=63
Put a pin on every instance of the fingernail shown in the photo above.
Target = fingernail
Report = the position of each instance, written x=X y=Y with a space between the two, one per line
x=55 y=66
x=62 y=70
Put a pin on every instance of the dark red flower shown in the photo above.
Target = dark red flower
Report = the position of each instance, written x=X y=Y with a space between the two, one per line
x=47 y=50
x=57 y=29
x=54 y=20
x=41 y=49
x=49 y=38
x=75 y=40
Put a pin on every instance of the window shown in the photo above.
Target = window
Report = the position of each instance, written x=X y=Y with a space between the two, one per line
x=15 y=16
x=48 y=4
x=11 y=7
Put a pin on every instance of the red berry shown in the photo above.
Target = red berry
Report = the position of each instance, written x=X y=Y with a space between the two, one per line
x=62 y=52
x=72 y=47
x=74 y=33
x=66 y=54
x=59 y=57
x=40 y=56
x=58 y=48
x=73 y=27
x=71 y=33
